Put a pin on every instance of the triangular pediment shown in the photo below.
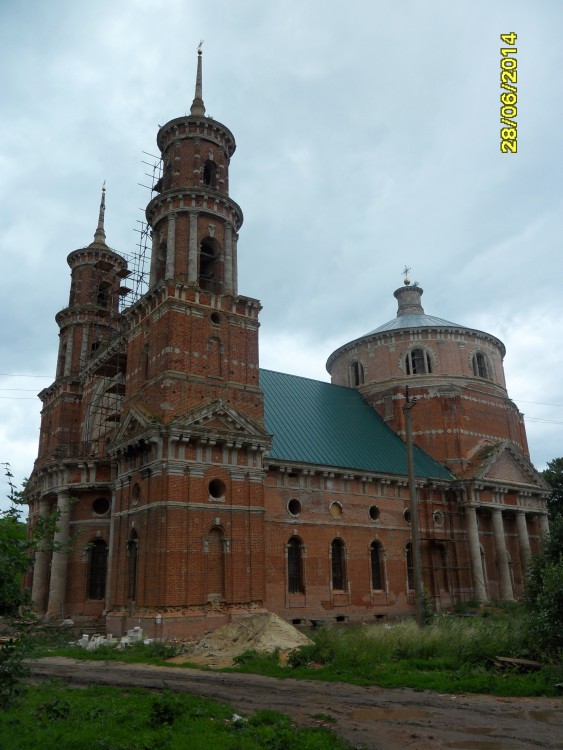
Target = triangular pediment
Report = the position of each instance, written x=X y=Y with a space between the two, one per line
x=219 y=417
x=504 y=463
x=132 y=424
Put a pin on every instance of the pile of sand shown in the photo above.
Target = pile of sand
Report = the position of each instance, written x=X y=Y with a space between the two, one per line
x=264 y=632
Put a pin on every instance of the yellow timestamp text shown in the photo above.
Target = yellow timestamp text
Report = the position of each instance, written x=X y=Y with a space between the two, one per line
x=509 y=94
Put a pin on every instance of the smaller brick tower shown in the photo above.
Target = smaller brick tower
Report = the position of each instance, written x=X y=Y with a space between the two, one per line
x=91 y=317
x=71 y=472
x=188 y=520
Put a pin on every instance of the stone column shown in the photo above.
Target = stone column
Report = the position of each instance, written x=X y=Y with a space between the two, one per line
x=544 y=526
x=154 y=257
x=228 y=258
x=84 y=345
x=524 y=540
x=505 y=584
x=192 y=249
x=68 y=355
x=479 y=588
x=171 y=248
x=235 y=266
x=57 y=588
x=40 y=585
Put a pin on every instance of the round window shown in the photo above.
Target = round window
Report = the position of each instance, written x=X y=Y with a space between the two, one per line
x=407 y=515
x=438 y=518
x=294 y=507
x=374 y=512
x=335 y=510
x=217 y=489
x=100 y=506
x=215 y=318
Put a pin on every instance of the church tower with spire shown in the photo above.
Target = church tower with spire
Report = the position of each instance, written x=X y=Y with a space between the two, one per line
x=72 y=474
x=188 y=519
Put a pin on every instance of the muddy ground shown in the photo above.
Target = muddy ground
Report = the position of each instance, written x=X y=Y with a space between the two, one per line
x=370 y=718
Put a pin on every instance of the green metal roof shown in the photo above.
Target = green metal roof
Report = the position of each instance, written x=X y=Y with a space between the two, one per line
x=330 y=425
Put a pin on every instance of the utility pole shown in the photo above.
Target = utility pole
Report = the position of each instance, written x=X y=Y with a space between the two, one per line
x=416 y=556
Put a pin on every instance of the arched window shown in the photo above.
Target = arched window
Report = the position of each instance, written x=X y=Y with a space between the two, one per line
x=295 y=583
x=418 y=362
x=481 y=367
x=410 y=566
x=132 y=557
x=356 y=374
x=338 y=564
x=209 y=251
x=102 y=300
x=97 y=569
x=377 y=566
x=210 y=173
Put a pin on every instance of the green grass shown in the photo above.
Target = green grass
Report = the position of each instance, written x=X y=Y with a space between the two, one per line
x=451 y=654
x=52 y=717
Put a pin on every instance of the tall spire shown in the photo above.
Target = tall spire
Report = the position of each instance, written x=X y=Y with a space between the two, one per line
x=198 y=107
x=100 y=235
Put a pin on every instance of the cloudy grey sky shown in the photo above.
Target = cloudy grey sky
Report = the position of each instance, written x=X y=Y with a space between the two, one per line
x=368 y=137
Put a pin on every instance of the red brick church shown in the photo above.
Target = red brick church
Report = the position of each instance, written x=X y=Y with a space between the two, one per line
x=192 y=484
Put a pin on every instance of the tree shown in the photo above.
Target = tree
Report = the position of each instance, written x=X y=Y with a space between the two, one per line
x=16 y=551
x=544 y=593
x=14 y=561
x=553 y=475
x=18 y=545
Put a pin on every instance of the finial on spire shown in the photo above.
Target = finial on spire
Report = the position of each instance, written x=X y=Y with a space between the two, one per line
x=100 y=235
x=405 y=273
x=198 y=107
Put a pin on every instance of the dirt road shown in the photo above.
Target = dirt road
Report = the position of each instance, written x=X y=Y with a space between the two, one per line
x=370 y=718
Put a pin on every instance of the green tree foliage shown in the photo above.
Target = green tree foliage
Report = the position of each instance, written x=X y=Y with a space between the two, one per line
x=553 y=475
x=544 y=593
x=18 y=545
x=16 y=550
x=14 y=561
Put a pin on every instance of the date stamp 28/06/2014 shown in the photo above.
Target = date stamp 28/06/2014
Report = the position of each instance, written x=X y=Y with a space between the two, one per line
x=509 y=94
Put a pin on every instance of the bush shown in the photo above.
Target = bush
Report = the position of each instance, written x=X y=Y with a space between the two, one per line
x=12 y=669
x=544 y=595
x=165 y=708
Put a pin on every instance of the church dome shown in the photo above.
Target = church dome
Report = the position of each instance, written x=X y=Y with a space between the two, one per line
x=413 y=324
x=414 y=321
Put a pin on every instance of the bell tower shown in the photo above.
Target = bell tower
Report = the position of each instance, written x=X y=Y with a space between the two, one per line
x=92 y=315
x=194 y=222
x=188 y=451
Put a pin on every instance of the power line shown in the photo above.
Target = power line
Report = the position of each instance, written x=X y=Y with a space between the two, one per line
x=12 y=375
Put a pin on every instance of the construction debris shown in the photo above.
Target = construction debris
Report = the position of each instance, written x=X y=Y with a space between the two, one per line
x=264 y=632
